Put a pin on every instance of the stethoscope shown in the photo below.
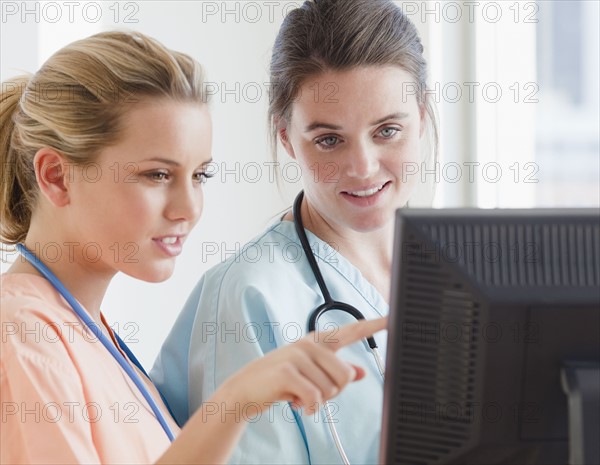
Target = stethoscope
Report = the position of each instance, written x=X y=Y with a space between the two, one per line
x=328 y=304
x=91 y=324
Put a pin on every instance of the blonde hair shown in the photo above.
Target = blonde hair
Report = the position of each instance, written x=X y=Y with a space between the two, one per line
x=74 y=104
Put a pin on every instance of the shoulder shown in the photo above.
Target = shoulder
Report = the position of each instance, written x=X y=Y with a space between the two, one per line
x=269 y=257
x=28 y=297
x=252 y=283
x=34 y=319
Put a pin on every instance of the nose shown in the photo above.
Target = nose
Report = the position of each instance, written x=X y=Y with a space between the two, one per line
x=363 y=161
x=185 y=203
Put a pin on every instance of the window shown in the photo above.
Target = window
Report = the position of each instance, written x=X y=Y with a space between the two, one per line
x=567 y=125
x=517 y=87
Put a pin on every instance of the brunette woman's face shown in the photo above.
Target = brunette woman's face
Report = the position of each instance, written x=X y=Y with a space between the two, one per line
x=354 y=133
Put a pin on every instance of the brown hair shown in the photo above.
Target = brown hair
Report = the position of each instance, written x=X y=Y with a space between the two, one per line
x=339 y=35
x=74 y=105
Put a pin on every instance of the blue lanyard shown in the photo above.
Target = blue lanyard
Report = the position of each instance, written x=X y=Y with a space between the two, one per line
x=91 y=324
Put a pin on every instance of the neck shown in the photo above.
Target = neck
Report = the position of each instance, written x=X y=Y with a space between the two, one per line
x=66 y=261
x=371 y=252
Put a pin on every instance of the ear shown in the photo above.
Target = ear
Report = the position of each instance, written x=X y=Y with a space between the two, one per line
x=282 y=127
x=52 y=175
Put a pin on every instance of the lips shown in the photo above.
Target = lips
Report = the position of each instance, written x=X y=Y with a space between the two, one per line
x=366 y=192
x=366 y=196
x=170 y=245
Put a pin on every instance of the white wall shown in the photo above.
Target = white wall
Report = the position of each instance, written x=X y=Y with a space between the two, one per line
x=234 y=46
x=233 y=40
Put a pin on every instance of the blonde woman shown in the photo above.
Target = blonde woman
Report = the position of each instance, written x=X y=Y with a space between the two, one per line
x=70 y=390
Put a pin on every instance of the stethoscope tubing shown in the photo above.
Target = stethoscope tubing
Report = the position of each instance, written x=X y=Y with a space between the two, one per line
x=91 y=324
x=328 y=304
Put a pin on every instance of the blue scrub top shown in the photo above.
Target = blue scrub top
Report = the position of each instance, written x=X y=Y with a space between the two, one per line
x=254 y=302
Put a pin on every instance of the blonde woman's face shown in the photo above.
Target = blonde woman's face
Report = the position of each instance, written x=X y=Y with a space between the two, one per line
x=141 y=198
x=354 y=134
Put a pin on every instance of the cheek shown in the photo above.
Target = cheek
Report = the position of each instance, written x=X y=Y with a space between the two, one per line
x=315 y=167
x=406 y=155
x=138 y=206
x=126 y=208
x=412 y=152
x=322 y=172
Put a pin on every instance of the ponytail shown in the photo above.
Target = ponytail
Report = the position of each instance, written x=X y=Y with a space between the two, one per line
x=16 y=173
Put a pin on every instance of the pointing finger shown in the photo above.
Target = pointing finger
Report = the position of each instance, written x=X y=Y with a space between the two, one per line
x=346 y=335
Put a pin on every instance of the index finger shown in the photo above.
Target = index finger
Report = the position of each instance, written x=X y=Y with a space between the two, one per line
x=349 y=334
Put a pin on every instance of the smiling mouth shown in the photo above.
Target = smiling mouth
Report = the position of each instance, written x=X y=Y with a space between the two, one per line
x=170 y=245
x=367 y=192
x=169 y=240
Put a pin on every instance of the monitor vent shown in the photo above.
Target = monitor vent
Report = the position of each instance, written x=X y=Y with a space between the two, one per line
x=522 y=254
x=439 y=343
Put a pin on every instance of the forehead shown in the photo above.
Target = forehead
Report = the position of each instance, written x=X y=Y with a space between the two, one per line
x=373 y=89
x=156 y=117
x=164 y=127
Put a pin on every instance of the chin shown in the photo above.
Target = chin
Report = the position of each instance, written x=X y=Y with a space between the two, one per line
x=158 y=279
x=373 y=223
x=150 y=274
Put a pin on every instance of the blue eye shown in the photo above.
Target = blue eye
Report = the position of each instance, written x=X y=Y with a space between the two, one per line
x=328 y=141
x=389 y=132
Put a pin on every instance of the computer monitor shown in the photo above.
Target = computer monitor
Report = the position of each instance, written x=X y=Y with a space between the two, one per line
x=494 y=338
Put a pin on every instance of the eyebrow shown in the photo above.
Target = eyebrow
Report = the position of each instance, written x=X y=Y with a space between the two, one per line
x=166 y=161
x=320 y=125
x=170 y=162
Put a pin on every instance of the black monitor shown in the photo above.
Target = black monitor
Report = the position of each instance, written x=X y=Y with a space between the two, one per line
x=494 y=338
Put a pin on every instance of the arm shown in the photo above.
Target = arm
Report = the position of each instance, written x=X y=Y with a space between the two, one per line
x=307 y=372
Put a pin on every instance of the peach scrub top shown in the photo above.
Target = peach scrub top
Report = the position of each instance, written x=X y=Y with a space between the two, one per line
x=64 y=398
